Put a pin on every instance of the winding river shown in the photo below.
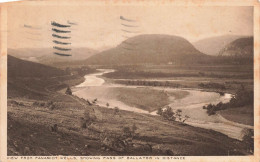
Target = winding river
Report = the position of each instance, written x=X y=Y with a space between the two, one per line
x=96 y=87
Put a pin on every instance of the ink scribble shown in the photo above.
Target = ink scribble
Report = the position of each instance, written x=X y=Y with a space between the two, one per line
x=125 y=19
x=129 y=25
x=61 y=37
x=60 y=31
x=53 y=23
x=61 y=54
x=71 y=23
x=30 y=26
x=61 y=49
x=58 y=42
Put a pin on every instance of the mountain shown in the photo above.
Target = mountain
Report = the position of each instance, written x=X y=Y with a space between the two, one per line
x=29 y=79
x=213 y=45
x=22 y=68
x=46 y=56
x=242 y=48
x=149 y=49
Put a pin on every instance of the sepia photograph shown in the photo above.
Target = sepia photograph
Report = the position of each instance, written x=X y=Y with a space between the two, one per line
x=129 y=80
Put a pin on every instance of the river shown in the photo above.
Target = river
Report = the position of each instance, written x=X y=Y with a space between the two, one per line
x=95 y=86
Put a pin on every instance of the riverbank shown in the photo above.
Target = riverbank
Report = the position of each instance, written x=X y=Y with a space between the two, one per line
x=190 y=103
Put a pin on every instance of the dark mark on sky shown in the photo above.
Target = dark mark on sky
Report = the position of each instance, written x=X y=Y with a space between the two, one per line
x=60 y=31
x=58 y=42
x=31 y=27
x=129 y=20
x=61 y=54
x=129 y=25
x=61 y=37
x=71 y=23
x=53 y=23
x=62 y=49
x=130 y=31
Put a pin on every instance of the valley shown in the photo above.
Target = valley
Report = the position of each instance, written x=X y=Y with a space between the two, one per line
x=109 y=103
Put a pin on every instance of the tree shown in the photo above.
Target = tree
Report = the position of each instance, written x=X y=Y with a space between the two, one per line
x=186 y=117
x=168 y=113
x=68 y=91
x=178 y=114
x=107 y=104
x=159 y=111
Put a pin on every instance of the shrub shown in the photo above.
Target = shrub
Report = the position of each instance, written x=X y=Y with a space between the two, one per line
x=159 y=111
x=116 y=110
x=127 y=132
x=82 y=123
x=68 y=91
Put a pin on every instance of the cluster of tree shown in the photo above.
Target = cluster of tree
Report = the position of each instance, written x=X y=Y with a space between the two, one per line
x=149 y=83
x=242 y=97
x=248 y=139
x=169 y=114
x=211 y=109
x=212 y=85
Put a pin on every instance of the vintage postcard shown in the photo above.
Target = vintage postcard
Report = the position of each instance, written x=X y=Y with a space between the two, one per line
x=130 y=80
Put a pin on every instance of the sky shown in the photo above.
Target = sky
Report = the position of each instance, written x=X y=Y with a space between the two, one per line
x=100 y=26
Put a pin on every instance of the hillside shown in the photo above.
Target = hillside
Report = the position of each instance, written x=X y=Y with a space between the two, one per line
x=213 y=45
x=34 y=80
x=149 y=49
x=242 y=47
x=23 y=68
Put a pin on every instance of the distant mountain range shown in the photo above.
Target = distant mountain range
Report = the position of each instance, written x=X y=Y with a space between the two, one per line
x=46 y=56
x=150 y=49
x=242 y=48
x=213 y=45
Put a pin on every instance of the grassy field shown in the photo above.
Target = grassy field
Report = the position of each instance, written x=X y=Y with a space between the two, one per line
x=243 y=115
x=146 y=98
